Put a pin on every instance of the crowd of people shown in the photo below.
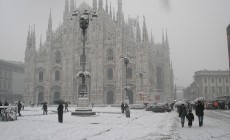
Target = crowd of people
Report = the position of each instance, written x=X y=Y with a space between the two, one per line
x=10 y=111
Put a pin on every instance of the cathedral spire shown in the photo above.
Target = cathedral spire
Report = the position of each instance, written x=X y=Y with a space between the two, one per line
x=166 y=37
x=106 y=7
x=50 y=22
x=110 y=11
x=138 y=31
x=163 y=38
x=33 y=38
x=113 y=14
x=40 y=41
x=66 y=7
x=119 y=12
x=28 y=43
x=152 y=39
x=95 y=5
x=144 y=31
x=100 y=5
x=72 y=6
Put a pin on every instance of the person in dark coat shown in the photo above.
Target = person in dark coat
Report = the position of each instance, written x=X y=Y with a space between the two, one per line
x=44 y=107
x=66 y=106
x=0 y=108
x=200 y=112
x=6 y=103
x=19 y=108
x=179 y=110
x=228 y=105
x=122 y=107
x=60 y=113
x=183 y=114
x=190 y=118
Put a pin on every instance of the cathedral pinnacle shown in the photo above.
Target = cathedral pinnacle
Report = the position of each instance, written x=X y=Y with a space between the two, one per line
x=138 y=31
x=166 y=37
x=72 y=6
x=28 y=44
x=110 y=11
x=95 y=5
x=145 y=32
x=40 y=42
x=50 y=22
x=33 y=36
x=100 y=5
x=106 y=7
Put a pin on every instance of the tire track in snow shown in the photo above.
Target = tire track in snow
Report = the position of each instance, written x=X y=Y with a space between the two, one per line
x=120 y=126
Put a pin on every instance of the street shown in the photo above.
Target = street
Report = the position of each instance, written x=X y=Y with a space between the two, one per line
x=110 y=124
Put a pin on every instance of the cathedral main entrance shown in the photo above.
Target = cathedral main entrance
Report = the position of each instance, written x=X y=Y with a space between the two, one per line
x=110 y=97
x=56 y=95
x=130 y=96
x=40 y=97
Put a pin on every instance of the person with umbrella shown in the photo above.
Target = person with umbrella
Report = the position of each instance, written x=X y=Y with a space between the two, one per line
x=200 y=112
x=44 y=107
x=60 y=113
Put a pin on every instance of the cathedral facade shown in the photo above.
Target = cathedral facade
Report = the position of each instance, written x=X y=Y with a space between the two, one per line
x=51 y=70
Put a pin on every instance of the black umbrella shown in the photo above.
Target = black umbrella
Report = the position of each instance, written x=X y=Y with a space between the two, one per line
x=68 y=102
x=44 y=102
x=59 y=101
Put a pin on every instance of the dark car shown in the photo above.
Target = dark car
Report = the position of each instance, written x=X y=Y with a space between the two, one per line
x=150 y=107
x=161 y=108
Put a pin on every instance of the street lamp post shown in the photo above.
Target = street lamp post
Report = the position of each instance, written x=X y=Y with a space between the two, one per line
x=126 y=59
x=84 y=19
x=83 y=101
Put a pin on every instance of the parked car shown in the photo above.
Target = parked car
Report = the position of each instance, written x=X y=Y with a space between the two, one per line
x=162 y=108
x=150 y=107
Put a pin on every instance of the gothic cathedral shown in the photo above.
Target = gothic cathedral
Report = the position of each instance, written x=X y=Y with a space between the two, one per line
x=51 y=70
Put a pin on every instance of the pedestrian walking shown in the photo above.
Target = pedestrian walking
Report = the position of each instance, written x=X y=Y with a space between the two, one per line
x=60 y=113
x=200 y=112
x=190 y=118
x=183 y=114
x=66 y=106
x=19 y=108
x=44 y=107
x=122 y=107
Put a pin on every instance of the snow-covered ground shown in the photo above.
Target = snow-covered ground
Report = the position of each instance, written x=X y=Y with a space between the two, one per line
x=110 y=124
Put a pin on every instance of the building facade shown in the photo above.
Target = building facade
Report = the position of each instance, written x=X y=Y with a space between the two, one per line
x=210 y=84
x=11 y=80
x=50 y=70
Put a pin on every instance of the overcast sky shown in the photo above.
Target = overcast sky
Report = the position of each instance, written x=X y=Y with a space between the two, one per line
x=196 y=29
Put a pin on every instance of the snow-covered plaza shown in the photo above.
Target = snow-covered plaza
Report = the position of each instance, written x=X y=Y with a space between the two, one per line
x=110 y=124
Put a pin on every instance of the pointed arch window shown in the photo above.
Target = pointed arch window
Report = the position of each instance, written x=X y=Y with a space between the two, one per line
x=82 y=59
x=57 y=75
x=129 y=73
x=40 y=76
x=110 y=54
x=159 y=78
x=58 y=57
x=110 y=74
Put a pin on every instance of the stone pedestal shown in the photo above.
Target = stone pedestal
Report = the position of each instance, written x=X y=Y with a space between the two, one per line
x=83 y=108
